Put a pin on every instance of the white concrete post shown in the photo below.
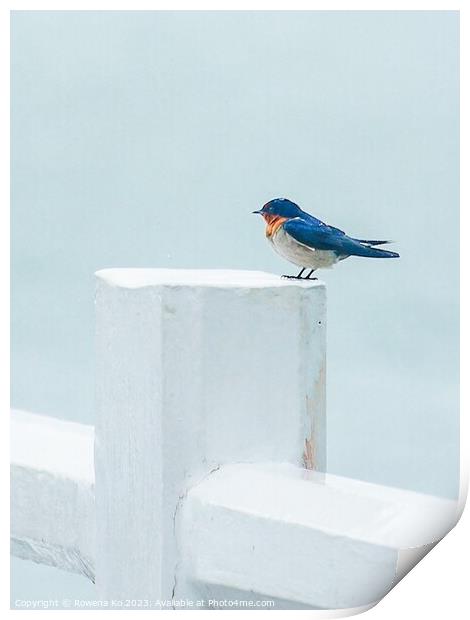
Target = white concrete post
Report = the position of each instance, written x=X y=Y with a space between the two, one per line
x=195 y=369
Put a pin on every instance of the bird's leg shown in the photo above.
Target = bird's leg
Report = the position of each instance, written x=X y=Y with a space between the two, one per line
x=309 y=274
x=301 y=272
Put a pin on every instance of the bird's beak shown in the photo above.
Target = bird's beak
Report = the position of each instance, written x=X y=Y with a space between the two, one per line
x=260 y=212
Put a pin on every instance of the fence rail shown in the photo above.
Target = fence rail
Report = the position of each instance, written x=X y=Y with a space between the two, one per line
x=52 y=492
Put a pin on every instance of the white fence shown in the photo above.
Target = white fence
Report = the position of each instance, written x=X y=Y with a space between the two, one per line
x=210 y=419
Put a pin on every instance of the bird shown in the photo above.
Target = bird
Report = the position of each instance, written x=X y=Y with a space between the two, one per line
x=308 y=242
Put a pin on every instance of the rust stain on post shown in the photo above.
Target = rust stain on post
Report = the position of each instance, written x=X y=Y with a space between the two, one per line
x=308 y=455
x=313 y=405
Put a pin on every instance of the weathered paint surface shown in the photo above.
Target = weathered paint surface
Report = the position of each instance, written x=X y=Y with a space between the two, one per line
x=194 y=369
x=52 y=494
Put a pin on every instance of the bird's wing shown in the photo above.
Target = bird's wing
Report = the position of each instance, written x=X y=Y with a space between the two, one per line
x=319 y=236
x=310 y=219
x=324 y=237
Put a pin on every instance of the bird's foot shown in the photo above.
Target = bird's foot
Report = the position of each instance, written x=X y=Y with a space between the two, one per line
x=298 y=278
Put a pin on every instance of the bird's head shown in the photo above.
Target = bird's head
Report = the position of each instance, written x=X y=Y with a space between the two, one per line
x=279 y=208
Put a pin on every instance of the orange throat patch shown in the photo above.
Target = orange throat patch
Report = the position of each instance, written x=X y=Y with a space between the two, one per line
x=273 y=223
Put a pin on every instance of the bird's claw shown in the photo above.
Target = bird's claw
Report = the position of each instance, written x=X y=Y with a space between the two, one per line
x=298 y=278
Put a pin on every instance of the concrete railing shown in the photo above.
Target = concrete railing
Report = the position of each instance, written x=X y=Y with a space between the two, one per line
x=210 y=405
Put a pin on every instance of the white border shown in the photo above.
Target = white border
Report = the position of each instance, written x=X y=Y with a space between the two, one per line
x=431 y=590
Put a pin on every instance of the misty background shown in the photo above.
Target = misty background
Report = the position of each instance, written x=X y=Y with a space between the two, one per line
x=146 y=139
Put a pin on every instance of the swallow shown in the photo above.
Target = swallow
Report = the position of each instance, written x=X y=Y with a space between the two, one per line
x=308 y=242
